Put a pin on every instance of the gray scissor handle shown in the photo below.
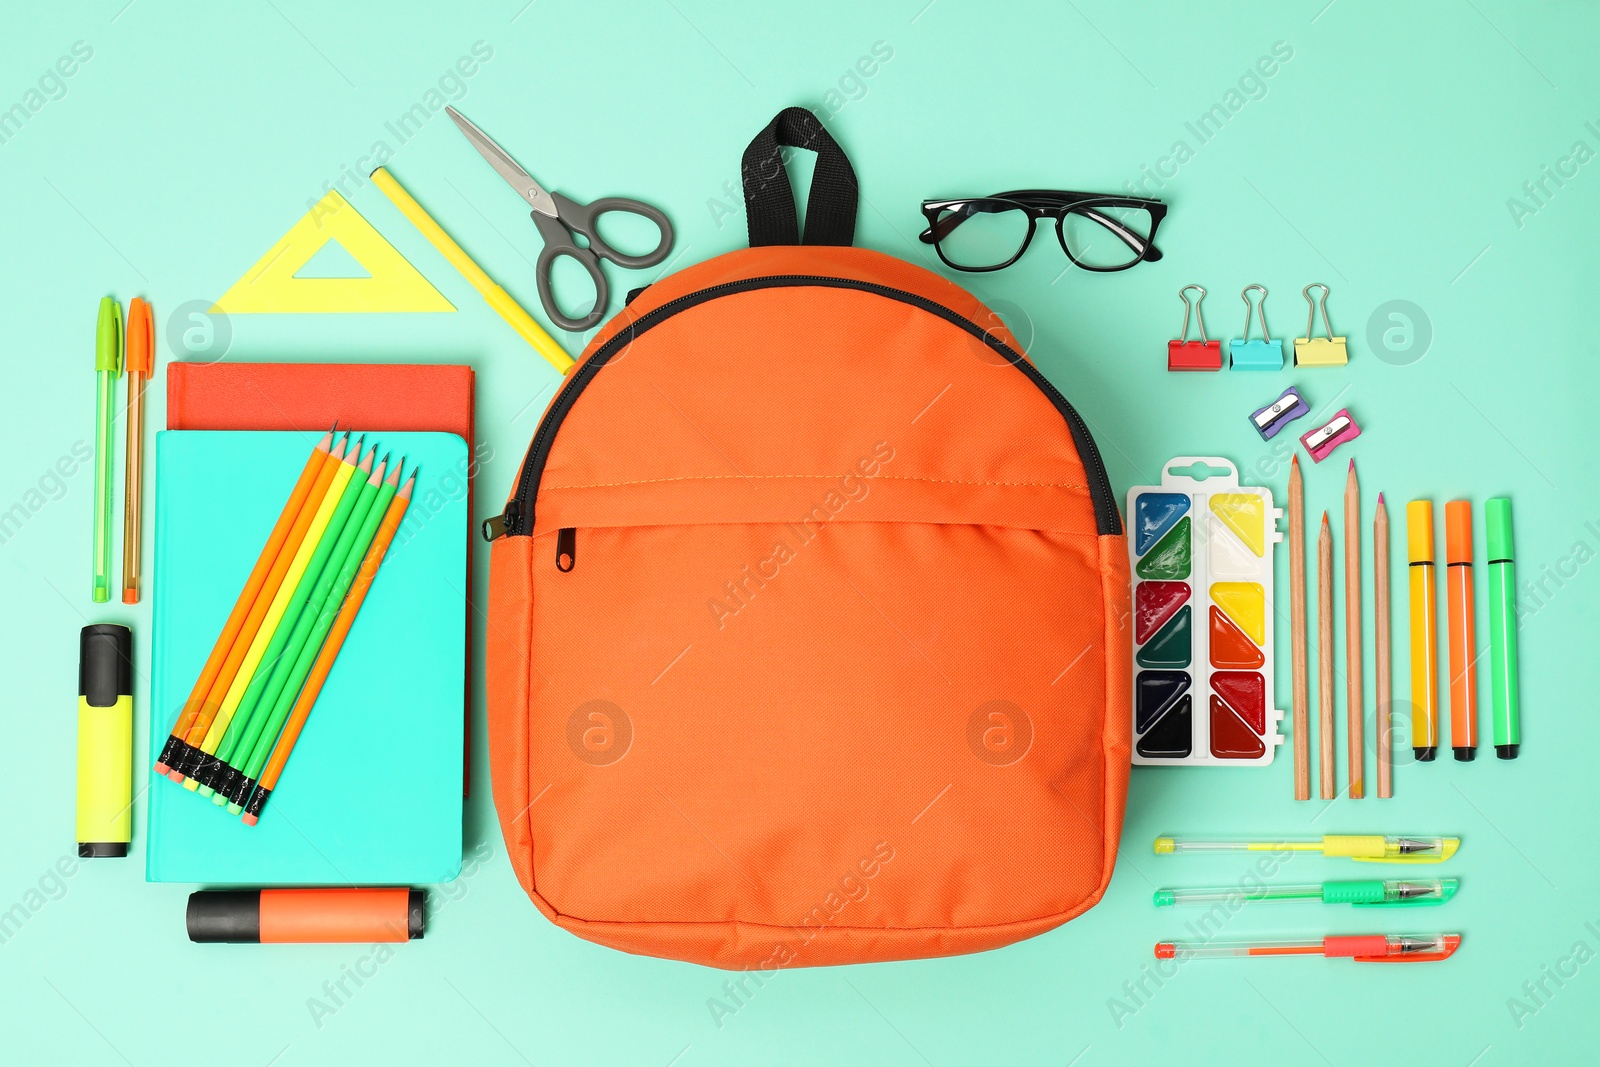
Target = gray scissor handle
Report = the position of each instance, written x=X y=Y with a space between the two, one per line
x=557 y=243
x=574 y=217
x=581 y=218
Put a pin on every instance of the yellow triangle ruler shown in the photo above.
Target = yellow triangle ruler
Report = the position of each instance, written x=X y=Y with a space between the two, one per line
x=271 y=286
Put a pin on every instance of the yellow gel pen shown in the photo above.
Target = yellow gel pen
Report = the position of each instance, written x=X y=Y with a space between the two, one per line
x=1371 y=848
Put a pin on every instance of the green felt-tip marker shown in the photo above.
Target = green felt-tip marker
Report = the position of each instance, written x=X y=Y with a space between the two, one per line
x=320 y=612
x=1502 y=629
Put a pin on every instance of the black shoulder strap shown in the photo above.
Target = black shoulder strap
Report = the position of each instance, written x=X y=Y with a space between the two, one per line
x=769 y=200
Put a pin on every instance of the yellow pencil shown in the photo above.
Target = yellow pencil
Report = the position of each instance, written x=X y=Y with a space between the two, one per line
x=280 y=601
x=502 y=302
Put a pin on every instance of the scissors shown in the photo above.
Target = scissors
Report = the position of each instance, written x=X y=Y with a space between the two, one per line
x=561 y=221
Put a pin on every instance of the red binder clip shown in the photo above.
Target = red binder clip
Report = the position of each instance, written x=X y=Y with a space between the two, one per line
x=1184 y=354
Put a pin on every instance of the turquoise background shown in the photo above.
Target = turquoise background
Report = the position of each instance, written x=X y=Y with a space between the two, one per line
x=1379 y=158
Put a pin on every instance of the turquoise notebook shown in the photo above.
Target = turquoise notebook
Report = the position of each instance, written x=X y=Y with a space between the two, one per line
x=366 y=798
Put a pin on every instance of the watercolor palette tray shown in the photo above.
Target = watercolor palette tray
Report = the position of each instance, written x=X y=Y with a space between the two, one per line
x=1200 y=548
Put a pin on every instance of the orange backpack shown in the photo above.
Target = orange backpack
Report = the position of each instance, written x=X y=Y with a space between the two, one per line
x=806 y=628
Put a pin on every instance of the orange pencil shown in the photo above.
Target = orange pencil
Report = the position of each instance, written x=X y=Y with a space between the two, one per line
x=1463 y=638
x=254 y=599
x=330 y=651
x=140 y=361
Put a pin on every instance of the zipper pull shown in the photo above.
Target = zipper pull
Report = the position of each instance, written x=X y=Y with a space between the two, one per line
x=502 y=524
x=566 y=549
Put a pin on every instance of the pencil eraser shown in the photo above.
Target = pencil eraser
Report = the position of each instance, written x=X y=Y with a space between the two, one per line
x=162 y=768
x=250 y=820
x=234 y=809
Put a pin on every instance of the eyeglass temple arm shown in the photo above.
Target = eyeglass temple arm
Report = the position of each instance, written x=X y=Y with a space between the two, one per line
x=1147 y=251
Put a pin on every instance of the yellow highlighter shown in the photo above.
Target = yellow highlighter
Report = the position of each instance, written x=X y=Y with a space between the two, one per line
x=105 y=740
x=1370 y=848
x=496 y=297
x=1424 y=631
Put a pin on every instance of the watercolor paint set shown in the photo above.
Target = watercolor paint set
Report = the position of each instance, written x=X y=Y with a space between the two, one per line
x=1201 y=555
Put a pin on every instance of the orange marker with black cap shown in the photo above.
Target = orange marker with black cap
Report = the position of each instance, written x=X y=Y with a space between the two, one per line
x=287 y=916
x=1463 y=635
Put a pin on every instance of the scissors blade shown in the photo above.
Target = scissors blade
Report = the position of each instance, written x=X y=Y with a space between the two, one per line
x=515 y=176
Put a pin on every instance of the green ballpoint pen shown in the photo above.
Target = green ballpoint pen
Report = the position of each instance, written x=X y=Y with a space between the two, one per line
x=1365 y=892
x=107 y=365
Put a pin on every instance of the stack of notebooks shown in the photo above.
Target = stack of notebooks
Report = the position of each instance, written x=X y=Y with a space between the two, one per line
x=373 y=794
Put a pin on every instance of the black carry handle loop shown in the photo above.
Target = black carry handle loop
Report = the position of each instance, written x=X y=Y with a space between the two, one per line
x=769 y=199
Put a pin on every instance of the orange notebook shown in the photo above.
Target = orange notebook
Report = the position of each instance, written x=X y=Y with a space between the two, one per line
x=365 y=397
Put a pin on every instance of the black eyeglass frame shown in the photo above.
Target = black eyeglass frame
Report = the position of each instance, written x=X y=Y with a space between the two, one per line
x=1054 y=204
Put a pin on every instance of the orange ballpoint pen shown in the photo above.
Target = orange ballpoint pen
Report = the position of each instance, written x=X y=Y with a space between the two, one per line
x=140 y=362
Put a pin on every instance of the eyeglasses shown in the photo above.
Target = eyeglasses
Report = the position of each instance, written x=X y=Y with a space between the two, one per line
x=1097 y=232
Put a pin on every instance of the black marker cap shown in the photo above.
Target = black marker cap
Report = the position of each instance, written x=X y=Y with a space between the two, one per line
x=230 y=916
x=1425 y=755
x=1465 y=755
x=1506 y=751
x=89 y=850
x=105 y=663
x=414 y=913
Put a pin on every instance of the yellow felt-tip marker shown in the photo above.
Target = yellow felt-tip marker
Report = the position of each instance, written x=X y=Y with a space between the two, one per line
x=1370 y=848
x=105 y=740
x=502 y=302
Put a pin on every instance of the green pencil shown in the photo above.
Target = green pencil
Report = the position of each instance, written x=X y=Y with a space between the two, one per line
x=250 y=706
x=321 y=613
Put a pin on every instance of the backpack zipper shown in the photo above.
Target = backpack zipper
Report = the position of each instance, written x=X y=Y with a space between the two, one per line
x=517 y=519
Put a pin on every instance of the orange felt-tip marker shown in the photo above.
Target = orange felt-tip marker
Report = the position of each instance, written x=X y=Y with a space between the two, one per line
x=305 y=916
x=1463 y=638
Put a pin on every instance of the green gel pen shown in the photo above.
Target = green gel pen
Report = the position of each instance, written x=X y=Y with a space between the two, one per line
x=107 y=365
x=1502 y=629
x=1366 y=892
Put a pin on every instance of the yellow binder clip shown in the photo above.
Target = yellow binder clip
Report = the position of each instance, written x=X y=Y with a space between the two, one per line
x=1325 y=351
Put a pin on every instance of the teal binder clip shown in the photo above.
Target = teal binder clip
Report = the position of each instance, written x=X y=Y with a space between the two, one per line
x=1265 y=354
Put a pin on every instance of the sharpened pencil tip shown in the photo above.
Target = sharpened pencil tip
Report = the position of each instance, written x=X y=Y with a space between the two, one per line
x=405 y=490
x=1324 y=518
x=394 y=475
x=1380 y=498
x=1294 y=461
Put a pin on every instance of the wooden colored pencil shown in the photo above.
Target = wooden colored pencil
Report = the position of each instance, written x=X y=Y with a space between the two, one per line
x=255 y=587
x=1380 y=601
x=1297 y=625
x=270 y=619
x=252 y=706
x=1352 y=635
x=294 y=663
x=1325 y=655
x=330 y=650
